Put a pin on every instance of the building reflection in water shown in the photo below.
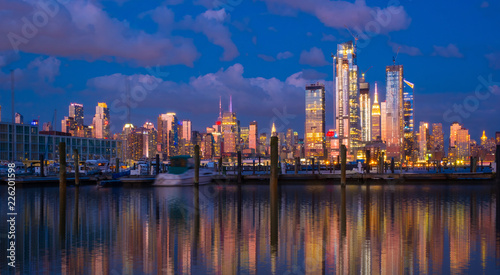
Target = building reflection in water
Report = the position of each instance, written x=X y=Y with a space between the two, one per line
x=229 y=229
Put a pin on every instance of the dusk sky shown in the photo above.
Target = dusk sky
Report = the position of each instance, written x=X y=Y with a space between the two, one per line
x=262 y=52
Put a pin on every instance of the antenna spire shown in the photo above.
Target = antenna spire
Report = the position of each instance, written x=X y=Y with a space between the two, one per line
x=230 y=103
x=220 y=107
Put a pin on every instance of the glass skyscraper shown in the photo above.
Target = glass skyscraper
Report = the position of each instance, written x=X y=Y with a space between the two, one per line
x=394 y=99
x=347 y=114
x=314 y=137
x=365 y=109
x=408 y=127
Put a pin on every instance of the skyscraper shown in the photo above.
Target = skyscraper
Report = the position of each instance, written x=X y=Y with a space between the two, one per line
x=394 y=98
x=365 y=109
x=314 y=136
x=168 y=135
x=253 y=136
x=383 y=121
x=76 y=112
x=347 y=115
x=423 y=141
x=408 y=124
x=230 y=130
x=376 y=132
x=101 y=121
x=437 y=141
x=459 y=143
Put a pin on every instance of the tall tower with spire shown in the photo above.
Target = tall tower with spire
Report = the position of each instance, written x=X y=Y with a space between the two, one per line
x=347 y=111
x=376 y=132
x=230 y=130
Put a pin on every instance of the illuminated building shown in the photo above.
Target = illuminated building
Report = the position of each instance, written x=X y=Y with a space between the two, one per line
x=135 y=145
x=230 y=131
x=408 y=123
x=76 y=112
x=423 y=141
x=185 y=144
x=314 y=136
x=376 y=132
x=437 y=141
x=101 y=121
x=394 y=99
x=365 y=109
x=19 y=118
x=207 y=146
x=484 y=139
x=462 y=144
x=383 y=120
x=459 y=143
x=253 y=136
x=168 y=135
x=497 y=138
x=244 y=136
x=263 y=144
x=347 y=115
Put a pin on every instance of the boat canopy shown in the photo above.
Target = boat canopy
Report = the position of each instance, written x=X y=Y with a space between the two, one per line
x=180 y=164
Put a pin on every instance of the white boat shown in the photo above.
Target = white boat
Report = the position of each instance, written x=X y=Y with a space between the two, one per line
x=181 y=173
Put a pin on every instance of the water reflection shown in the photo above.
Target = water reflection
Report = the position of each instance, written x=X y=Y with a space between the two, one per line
x=231 y=229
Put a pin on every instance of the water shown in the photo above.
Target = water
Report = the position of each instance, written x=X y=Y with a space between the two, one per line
x=228 y=230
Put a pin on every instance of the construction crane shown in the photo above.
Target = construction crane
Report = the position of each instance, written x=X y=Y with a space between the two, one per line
x=355 y=37
x=394 y=58
x=367 y=70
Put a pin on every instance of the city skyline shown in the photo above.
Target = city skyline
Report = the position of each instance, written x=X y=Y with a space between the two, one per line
x=57 y=79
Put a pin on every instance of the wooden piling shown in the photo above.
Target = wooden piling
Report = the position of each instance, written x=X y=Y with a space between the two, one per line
x=274 y=161
x=497 y=162
x=253 y=167
x=77 y=167
x=392 y=165
x=62 y=164
x=259 y=164
x=157 y=164
x=42 y=165
x=343 y=157
x=239 y=166
x=297 y=162
x=312 y=165
x=196 y=165
x=62 y=193
x=368 y=161
x=117 y=165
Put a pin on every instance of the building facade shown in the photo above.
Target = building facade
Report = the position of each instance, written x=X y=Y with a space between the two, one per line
x=394 y=111
x=376 y=127
x=365 y=110
x=314 y=136
x=347 y=114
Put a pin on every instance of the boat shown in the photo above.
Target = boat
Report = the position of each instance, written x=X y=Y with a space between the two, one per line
x=181 y=173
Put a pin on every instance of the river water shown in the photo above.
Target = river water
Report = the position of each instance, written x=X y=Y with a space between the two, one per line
x=219 y=229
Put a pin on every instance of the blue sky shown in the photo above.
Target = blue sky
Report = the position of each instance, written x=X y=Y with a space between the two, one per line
x=261 y=52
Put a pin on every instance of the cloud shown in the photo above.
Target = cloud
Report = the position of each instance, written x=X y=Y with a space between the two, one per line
x=336 y=14
x=449 y=51
x=266 y=57
x=211 y=24
x=409 y=50
x=314 y=57
x=273 y=29
x=311 y=74
x=47 y=68
x=83 y=30
x=284 y=55
x=192 y=96
x=494 y=59
x=328 y=37
x=485 y=4
x=38 y=76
